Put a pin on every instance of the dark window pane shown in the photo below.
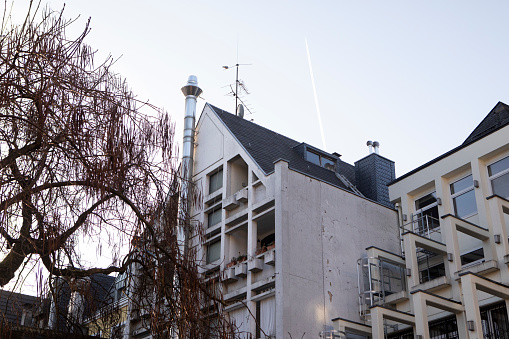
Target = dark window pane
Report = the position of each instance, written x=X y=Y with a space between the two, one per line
x=462 y=184
x=432 y=272
x=313 y=157
x=465 y=204
x=500 y=186
x=214 y=218
x=472 y=256
x=213 y=252
x=426 y=201
x=216 y=181
x=498 y=166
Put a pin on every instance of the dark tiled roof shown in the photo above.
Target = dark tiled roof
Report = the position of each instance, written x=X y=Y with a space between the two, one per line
x=495 y=120
x=12 y=305
x=266 y=147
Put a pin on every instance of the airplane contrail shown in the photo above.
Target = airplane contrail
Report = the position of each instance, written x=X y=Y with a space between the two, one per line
x=316 y=98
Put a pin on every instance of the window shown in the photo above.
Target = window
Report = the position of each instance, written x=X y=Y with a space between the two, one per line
x=214 y=218
x=472 y=257
x=213 y=251
x=432 y=272
x=463 y=197
x=494 y=321
x=499 y=177
x=215 y=181
x=426 y=214
x=321 y=160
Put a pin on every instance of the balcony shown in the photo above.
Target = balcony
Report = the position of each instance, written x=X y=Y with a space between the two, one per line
x=425 y=226
x=381 y=282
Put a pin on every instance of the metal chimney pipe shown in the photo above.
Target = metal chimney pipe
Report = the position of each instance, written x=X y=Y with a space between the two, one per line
x=376 y=144
x=370 y=146
x=191 y=91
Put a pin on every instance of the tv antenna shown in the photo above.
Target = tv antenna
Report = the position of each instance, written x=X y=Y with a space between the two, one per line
x=239 y=88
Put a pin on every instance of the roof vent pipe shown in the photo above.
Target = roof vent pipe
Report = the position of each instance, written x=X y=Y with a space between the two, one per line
x=192 y=92
x=370 y=146
x=376 y=144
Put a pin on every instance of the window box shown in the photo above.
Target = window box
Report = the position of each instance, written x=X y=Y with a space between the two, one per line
x=241 y=270
x=255 y=265
x=270 y=257
x=229 y=275
x=230 y=203
x=241 y=195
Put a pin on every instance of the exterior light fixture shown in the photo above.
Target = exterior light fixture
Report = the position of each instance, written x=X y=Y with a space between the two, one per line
x=450 y=256
x=497 y=238
x=476 y=183
x=471 y=325
x=439 y=201
x=408 y=272
x=404 y=217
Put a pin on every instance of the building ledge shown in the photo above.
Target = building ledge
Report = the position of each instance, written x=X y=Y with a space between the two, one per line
x=396 y=297
x=237 y=218
x=213 y=198
x=263 y=284
x=237 y=294
x=480 y=268
x=433 y=284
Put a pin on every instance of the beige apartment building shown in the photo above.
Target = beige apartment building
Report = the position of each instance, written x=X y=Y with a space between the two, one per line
x=450 y=277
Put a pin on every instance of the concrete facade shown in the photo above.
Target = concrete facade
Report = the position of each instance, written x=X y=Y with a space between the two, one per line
x=309 y=274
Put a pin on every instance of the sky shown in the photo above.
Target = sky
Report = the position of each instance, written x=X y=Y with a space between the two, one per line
x=417 y=76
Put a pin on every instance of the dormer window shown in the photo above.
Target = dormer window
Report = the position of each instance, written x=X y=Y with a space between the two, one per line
x=320 y=160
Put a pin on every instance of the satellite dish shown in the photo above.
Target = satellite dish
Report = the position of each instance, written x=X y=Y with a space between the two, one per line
x=240 y=111
x=330 y=167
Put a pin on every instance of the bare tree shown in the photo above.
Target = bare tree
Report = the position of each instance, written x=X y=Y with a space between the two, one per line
x=80 y=156
x=77 y=154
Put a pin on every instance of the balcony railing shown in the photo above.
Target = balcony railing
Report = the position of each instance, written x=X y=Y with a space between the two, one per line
x=426 y=226
x=378 y=279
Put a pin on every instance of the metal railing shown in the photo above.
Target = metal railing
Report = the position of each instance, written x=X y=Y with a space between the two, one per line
x=425 y=226
x=377 y=279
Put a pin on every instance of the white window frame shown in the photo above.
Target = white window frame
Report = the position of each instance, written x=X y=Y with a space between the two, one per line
x=498 y=175
x=463 y=191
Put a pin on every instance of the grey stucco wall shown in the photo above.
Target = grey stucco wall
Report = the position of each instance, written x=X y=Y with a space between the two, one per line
x=322 y=231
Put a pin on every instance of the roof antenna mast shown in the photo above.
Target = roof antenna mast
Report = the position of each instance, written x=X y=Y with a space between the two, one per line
x=239 y=88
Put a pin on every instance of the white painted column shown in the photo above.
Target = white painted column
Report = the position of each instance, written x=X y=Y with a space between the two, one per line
x=471 y=303
x=421 y=315
x=377 y=324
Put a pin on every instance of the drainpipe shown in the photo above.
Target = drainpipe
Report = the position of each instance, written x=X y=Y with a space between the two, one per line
x=192 y=92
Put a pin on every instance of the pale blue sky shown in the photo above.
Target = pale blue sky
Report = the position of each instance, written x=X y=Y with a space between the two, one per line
x=416 y=76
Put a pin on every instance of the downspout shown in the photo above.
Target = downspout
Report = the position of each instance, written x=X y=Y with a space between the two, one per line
x=192 y=92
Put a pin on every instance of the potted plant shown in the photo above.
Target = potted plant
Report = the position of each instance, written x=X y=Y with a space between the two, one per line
x=271 y=245
x=233 y=262
x=241 y=258
x=261 y=250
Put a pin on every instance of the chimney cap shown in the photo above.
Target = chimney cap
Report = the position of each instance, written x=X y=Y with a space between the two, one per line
x=376 y=144
x=369 y=143
x=191 y=88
